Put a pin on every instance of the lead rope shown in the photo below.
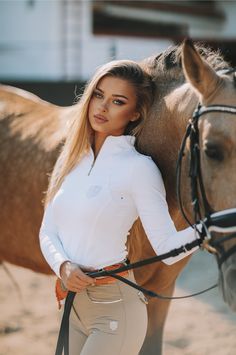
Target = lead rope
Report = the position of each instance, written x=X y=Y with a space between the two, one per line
x=63 y=337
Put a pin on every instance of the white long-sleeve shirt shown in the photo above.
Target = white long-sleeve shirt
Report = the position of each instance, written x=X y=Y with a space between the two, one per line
x=88 y=220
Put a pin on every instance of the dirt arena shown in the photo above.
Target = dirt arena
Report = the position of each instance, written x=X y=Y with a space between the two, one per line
x=202 y=325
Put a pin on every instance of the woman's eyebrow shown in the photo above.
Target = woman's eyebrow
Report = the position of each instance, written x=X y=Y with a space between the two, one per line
x=125 y=97
x=121 y=96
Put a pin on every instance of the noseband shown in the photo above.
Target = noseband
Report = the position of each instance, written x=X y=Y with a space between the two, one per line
x=222 y=221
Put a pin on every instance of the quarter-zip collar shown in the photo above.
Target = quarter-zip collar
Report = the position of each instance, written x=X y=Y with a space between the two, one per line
x=112 y=145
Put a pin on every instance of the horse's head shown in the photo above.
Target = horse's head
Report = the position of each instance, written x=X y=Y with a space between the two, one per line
x=216 y=139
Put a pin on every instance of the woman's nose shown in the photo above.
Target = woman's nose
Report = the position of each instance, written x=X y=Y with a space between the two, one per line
x=104 y=105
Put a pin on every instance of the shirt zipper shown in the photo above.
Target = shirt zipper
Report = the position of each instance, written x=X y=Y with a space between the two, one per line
x=91 y=167
x=95 y=159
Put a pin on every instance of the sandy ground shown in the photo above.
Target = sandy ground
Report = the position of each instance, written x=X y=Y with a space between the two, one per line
x=202 y=325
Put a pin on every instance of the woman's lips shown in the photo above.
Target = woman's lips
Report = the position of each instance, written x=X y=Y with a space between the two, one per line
x=100 y=119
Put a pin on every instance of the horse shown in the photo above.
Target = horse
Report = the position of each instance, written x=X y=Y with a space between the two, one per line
x=184 y=77
x=33 y=130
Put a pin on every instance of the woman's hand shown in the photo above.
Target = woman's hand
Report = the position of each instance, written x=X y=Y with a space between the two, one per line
x=73 y=278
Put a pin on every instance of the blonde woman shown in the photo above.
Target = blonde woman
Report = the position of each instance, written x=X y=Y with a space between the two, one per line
x=99 y=186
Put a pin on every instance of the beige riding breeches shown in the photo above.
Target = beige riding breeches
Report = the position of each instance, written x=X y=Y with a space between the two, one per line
x=108 y=319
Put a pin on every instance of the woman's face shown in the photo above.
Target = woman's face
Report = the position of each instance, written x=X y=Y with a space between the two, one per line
x=112 y=106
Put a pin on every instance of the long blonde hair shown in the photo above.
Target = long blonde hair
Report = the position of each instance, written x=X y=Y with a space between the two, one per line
x=79 y=137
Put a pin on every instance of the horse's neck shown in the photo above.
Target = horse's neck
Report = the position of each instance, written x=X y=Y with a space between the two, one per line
x=168 y=121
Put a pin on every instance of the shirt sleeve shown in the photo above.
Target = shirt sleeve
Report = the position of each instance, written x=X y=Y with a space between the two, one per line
x=149 y=196
x=50 y=243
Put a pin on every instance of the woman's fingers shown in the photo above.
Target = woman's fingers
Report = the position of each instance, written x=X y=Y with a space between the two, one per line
x=78 y=280
x=74 y=278
x=84 y=277
x=76 y=285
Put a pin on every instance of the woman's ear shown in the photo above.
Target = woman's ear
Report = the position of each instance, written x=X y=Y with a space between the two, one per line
x=135 y=117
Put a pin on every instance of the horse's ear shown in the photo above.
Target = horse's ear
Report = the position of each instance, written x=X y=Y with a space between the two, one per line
x=197 y=71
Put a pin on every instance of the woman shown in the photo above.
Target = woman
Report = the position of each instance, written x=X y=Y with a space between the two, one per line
x=99 y=186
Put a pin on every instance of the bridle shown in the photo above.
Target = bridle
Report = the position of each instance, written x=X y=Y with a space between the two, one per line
x=222 y=221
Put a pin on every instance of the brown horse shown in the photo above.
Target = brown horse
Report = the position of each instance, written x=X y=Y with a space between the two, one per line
x=183 y=79
x=32 y=130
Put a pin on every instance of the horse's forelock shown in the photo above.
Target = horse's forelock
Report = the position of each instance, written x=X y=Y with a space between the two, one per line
x=168 y=63
x=162 y=63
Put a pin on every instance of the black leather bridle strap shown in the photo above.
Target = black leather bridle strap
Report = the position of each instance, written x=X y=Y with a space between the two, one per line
x=63 y=337
x=157 y=295
x=179 y=172
x=216 y=108
x=172 y=253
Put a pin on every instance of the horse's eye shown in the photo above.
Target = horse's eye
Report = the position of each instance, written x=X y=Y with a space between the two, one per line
x=214 y=152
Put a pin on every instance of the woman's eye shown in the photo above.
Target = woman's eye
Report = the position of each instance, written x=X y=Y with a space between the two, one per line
x=97 y=94
x=118 y=102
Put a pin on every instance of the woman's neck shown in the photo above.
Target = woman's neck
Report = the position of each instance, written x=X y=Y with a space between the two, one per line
x=98 y=140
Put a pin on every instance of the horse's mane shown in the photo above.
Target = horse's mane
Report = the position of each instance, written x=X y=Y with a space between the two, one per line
x=168 y=66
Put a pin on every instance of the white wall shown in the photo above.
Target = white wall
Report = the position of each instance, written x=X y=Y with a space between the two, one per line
x=102 y=49
x=53 y=39
x=97 y=50
x=30 y=40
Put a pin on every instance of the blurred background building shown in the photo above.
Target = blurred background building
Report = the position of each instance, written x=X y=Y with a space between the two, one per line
x=44 y=43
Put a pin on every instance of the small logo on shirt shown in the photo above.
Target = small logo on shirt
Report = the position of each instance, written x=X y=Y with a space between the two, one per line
x=93 y=190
